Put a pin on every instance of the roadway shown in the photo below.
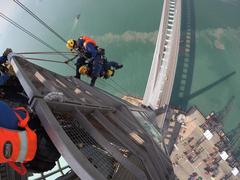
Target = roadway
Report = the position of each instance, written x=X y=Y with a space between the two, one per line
x=161 y=78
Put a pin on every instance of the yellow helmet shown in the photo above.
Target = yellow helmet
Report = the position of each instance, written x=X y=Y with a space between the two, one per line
x=70 y=44
x=83 y=70
x=109 y=72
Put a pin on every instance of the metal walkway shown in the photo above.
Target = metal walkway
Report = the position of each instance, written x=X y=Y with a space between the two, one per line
x=99 y=135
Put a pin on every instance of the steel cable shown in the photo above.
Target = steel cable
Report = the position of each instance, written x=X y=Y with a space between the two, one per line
x=30 y=34
x=48 y=60
x=47 y=53
x=123 y=89
x=39 y=20
x=104 y=83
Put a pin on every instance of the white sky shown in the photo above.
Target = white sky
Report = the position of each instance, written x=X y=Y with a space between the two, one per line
x=7 y=7
x=10 y=9
x=11 y=37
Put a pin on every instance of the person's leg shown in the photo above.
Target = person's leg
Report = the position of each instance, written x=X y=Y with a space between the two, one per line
x=80 y=62
x=78 y=75
x=97 y=68
x=39 y=166
x=114 y=64
x=34 y=122
x=46 y=154
x=14 y=92
x=3 y=78
x=93 y=80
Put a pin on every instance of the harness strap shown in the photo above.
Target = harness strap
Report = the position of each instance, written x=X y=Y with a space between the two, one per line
x=22 y=122
x=20 y=170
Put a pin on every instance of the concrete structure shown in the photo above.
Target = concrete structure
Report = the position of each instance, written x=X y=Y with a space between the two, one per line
x=160 y=82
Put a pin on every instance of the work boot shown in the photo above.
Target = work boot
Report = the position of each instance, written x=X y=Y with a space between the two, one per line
x=119 y=66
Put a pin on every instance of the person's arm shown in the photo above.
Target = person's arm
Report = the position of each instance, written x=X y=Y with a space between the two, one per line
x=3 y=59
x=67 y=61
x=8 y=117
x=3 y=78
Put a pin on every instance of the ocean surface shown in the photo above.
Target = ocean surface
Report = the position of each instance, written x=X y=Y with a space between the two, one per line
x=208 y=74
x=208 y=64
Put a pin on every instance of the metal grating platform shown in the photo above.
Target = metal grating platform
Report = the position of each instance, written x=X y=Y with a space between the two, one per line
x=96 y=133
x=100 y=159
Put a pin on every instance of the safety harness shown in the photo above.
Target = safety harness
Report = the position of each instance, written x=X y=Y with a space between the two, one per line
x=18 y=146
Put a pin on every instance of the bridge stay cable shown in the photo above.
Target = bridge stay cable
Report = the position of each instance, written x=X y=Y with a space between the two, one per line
x=49 y=60
x=46 y=60
x=104 y=83
x=47 y=53
x=30 y=34
x=39 y=20
x=120 y=87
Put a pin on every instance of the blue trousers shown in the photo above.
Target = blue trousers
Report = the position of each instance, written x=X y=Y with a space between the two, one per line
x=3 y=78
x=112 y=64
x=97 y=66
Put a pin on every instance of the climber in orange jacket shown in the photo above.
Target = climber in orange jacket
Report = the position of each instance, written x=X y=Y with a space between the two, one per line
x=86 y=48
x=24 y=140
x=18 y=143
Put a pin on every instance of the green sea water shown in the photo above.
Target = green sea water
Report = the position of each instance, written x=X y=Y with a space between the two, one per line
x=212 y=67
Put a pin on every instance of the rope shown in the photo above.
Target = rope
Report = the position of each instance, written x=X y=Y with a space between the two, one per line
x=38 y=19
x=30 y=34
x=48 y=53
x=48 y=60
x=71 y=67
x=123 y=89
x=69 y=60
x=102 y=82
